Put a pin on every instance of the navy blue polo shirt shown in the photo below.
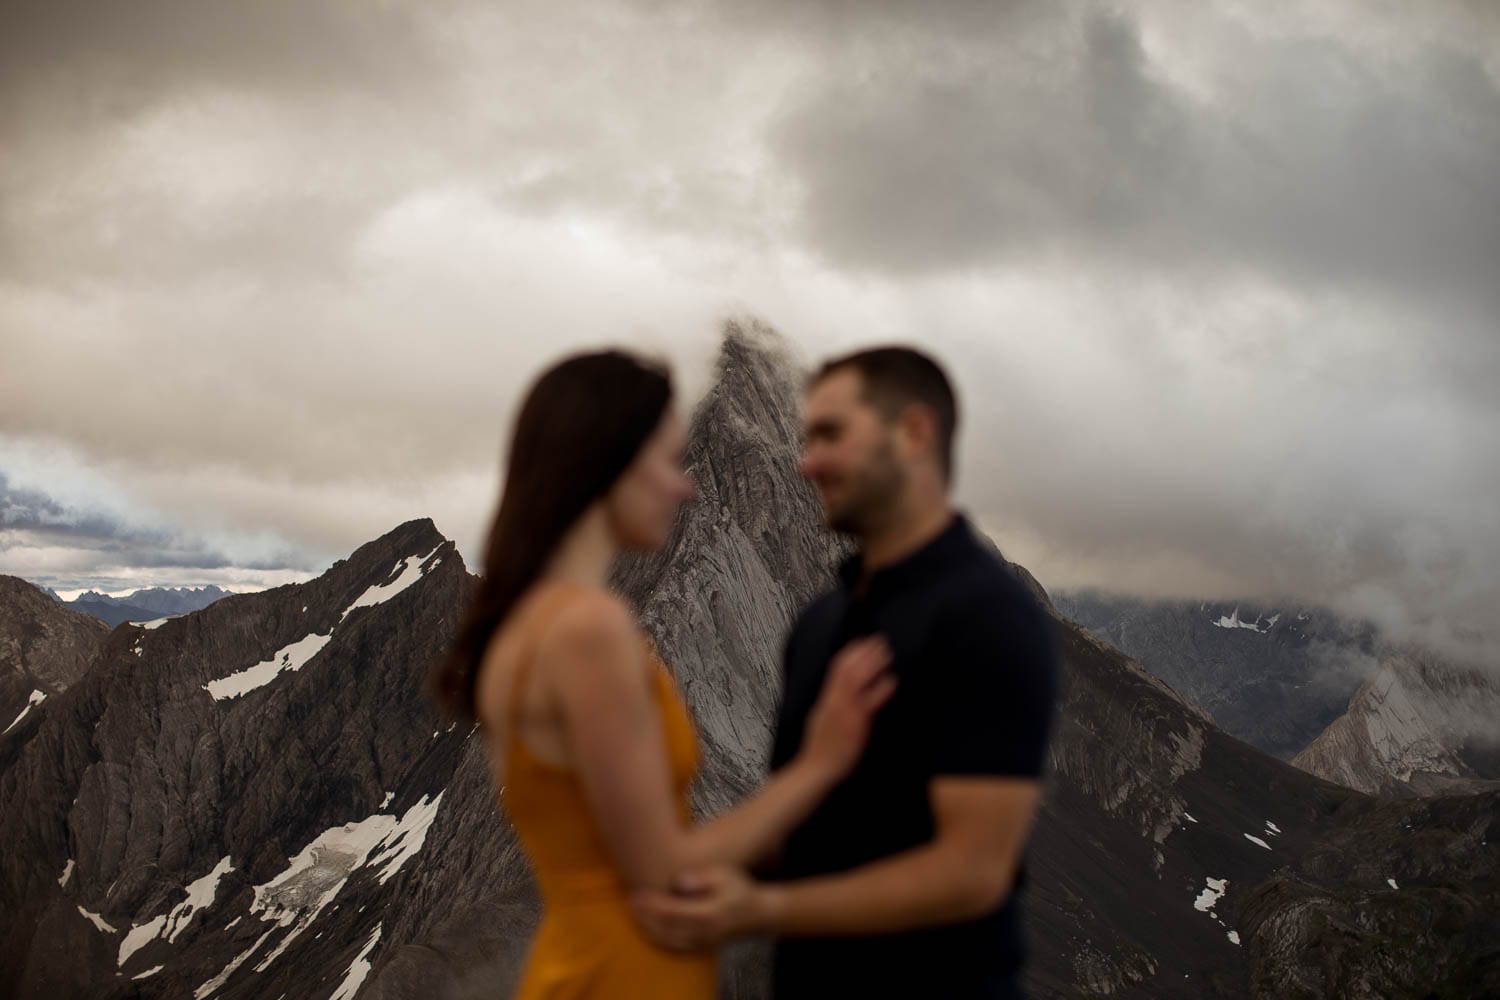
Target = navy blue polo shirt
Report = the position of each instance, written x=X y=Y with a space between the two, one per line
x=974 y=655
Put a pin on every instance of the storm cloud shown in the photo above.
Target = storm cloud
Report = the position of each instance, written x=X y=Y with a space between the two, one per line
x=1219 y=283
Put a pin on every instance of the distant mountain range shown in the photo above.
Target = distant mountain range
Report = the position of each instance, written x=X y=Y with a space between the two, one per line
x=1309 y=686
x=1273 y=676
x=254 y=800
x=143 y=605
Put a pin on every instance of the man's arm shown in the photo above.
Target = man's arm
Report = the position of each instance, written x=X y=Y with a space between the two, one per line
x=964 y=872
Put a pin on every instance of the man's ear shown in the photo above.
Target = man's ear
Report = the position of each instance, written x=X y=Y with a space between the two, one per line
x=916 y=431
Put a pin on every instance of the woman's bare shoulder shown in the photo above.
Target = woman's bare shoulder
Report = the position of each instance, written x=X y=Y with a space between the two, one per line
x=587 y=616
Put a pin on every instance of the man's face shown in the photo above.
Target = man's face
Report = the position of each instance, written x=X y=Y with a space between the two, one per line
x=849 y=454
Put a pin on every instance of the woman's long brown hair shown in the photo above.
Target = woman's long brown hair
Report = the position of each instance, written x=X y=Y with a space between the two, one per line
x=581 y=425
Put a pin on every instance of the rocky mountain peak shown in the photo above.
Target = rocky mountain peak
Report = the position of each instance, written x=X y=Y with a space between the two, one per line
x=44 y=646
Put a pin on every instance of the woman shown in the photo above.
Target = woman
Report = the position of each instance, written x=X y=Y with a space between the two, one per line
x=592 y=747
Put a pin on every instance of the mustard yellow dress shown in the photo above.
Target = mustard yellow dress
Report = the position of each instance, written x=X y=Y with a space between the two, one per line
x=588 y=946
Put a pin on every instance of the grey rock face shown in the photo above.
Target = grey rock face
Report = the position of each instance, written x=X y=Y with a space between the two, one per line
x=44 y=649
x=39 y=639
x=1420 y=725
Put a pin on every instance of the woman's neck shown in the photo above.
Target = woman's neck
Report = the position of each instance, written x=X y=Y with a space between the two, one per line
x=586 y=553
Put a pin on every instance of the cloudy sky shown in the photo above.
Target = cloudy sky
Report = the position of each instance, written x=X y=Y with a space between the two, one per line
x=1220 y=282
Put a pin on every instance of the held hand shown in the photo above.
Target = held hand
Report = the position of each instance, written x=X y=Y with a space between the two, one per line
x=858 y=683
x=702 y=910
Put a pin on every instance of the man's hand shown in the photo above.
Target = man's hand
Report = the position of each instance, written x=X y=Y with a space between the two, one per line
x=703 y=909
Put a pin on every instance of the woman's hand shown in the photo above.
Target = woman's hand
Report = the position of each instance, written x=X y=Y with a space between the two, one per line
x=857 y=684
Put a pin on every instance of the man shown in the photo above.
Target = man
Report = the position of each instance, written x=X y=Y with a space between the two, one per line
x=907 y=880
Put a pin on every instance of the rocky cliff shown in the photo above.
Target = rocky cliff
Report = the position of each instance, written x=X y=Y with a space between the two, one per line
x=215 y=785
x=1420 y=725
x=44 y=648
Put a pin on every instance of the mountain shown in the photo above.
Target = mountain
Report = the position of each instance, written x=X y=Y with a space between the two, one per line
x=44 y=649
x=163 y=601
x=216 y=780
x=1420 y=725
x=146 y=605
x=253 y=800
x=1273 y=677
x=111 y=611
x=1307 y=685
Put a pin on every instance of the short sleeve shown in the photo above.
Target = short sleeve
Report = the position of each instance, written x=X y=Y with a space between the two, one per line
x=989 y=706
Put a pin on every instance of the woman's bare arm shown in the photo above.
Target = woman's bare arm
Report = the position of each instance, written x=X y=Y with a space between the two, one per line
x=597 y=674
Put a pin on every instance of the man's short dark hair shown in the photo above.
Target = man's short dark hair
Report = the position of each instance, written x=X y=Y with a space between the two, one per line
x=897 y=377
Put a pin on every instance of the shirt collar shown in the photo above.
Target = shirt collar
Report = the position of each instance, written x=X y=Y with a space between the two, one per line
x=916 y=566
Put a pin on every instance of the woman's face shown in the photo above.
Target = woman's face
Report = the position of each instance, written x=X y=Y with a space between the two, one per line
x=643 y=502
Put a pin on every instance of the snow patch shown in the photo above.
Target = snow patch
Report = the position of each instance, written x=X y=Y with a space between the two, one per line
x=35 y=699
x=1272 y=828
x=1214 y=890
x=407 y=839
x=1257 y=841
x=315 y=876
x=154 y=623
x=1234 y=937
x=200 y=896
x=288 y=658
x=295 y=656
x=1392 y=883
x=387 y=800
x=62 y=879
x=148 y=973
x=212 y=986
x=1233 y=621
x=97 y=921
x=1189 y=817
x=408 y=571
x=358 y=970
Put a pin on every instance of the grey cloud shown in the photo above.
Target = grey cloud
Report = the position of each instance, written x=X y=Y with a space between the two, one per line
x=1319 y=166
x=292 y=264
x=110 y=59
x=31 y=518
x=178 y=84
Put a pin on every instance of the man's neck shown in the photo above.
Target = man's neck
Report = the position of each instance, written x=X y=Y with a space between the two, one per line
x=906 y=534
